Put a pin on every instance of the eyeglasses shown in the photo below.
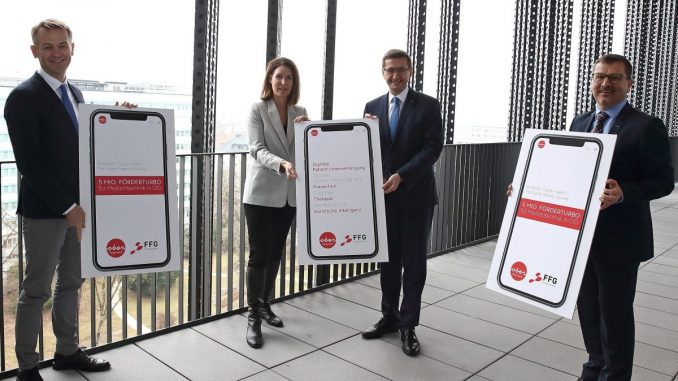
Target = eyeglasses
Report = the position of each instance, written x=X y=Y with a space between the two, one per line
x=393 y=70
x=613 y=78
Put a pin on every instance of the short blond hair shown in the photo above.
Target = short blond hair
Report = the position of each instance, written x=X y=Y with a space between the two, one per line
x=50 y=24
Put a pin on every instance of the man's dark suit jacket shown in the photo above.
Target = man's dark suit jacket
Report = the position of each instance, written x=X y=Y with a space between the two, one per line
x=641 y=163
x=417 y=145
x=45 y=146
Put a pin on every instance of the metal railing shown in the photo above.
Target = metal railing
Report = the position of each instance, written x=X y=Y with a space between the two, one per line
x=116 y=309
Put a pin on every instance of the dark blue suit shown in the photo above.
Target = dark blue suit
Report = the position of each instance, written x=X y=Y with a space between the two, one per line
x=641 y=164
x=409 y=210
x=45 y=144
x=45 y=148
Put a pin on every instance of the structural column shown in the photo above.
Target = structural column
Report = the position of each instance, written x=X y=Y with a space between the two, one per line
x=597 y=23
x=447 y=64
x=650 y=45
x=541 y=65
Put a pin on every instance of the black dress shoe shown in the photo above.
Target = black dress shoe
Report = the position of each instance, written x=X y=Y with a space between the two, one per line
x=410 y=342
x=30 y=374
x=81 y=361
x=378 y=330
x=590 y=371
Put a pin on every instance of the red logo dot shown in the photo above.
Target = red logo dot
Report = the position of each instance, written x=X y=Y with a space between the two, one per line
x=115 y=247
x=328 y=240
x=518 y=271
x=314 y=132
x=102 y=119
x=541 y=144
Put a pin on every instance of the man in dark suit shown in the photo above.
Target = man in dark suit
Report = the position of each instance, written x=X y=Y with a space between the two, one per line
x=41 y=116
x=641 y=171
x=411 y=136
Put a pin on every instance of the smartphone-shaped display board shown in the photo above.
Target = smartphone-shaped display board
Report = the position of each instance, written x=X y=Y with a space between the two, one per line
x=130 y=195
x=341 y=194
x=550 y=217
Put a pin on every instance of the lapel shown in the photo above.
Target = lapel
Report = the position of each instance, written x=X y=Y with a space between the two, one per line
x=620 y=120
x=588 y=127
x=291 y=115
x=406 y=111
x=53 y=100
x=382 y=114
x=584 y=124
x=76 y=94
x=274 y=117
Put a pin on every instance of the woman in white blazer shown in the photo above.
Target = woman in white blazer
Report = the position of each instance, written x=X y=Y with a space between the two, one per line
x=269 y=196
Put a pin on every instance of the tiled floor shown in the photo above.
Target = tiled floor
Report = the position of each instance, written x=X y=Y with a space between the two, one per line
x=467 y=332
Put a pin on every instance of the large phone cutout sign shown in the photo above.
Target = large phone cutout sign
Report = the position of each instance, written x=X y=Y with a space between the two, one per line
x=128 y=191
x=550 y=218
x=340 y=202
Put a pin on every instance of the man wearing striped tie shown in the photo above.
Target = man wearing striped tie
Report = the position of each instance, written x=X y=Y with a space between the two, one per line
x=641 y=171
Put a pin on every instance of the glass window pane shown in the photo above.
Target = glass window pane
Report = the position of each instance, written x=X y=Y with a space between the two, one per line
x=484 y=71
x=149 y=61
x=241 y=68
x=303 y=41
x=126 y=40
x=139 y=51
x=365 y=31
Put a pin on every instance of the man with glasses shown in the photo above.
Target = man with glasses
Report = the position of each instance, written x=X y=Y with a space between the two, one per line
x=641 y=171
x=411 y=135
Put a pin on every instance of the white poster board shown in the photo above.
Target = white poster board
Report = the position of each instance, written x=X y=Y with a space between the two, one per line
x=550 y=218
x=128 y=191
x=340 y=202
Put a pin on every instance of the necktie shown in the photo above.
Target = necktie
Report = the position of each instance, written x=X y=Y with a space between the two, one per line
x=69 y=106
x=393 y=119
x=600 y=122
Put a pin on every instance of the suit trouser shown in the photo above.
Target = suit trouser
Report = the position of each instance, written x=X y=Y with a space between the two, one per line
x=408 y=233
x=50 y=245
x=605 y=307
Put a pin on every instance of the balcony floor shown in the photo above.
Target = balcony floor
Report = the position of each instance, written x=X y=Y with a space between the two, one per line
x=467 y=332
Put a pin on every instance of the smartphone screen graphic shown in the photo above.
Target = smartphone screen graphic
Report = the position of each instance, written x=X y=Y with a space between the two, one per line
x=338 y=168
x=126 y=187
x=552 y=202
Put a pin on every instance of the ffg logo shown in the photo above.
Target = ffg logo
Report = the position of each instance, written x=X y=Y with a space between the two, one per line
x=144 y=245
x=546 y=278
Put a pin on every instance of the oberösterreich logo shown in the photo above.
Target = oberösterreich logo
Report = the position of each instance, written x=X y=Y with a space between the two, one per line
x=518 y=271
x=115 y=247
x=328 y=240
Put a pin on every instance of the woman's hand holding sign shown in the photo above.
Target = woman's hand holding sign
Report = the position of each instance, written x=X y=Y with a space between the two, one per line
x=289 y=169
